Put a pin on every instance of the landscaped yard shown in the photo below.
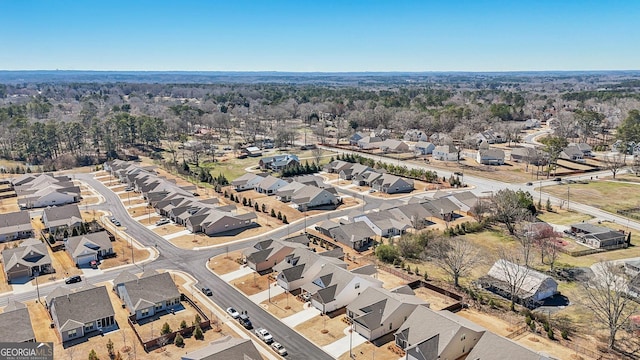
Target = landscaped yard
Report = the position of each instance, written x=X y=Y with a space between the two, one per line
x=279 y=303
x=313 y=329
x=607 y=195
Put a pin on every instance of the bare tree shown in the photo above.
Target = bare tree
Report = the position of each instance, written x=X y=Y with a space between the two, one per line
x=605 y=296
x=510 y=269
x=317 y=155
x=507 y=209
x=458 y=258
x=615 y=162
x=480 y=209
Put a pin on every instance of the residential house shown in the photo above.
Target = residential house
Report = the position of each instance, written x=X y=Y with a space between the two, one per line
x=415 y=135
x=279 y=162
x=427 y=331
x=150 y=294
x=303 y=264
x=226 y=348
x=336 y=166
x=414 y=214
x=309 y=197
x=61 y=218
x=335 y=287
x=79 y=313
x=285 y=193
x=383 y=224
x=28 y=259
x=326 y=226
x=634 y=286
x=584 y=147
x=247 y=181
x=440 y=139
x=35 y=191
x=15 y=226
x=366 y=178
x=572 y=153
x=599 y=237
x=446 y=153
x=268 y=253
x=495 y=347
x=269 y=185
x=490 y=157
x=534 y=288
x=528 y=155
x=424 y=148
x=393 y=146
x=531 y=124
x=490 y=137
x=369 y=143
x=443 y=208
x=352 y=171
x=87 y=248
x=217 y=220
x=392 y=184
x=356 y=235
x=465 y=201
x=353 y=140
x=15 y=324
x=252 y=151
x=377 y=311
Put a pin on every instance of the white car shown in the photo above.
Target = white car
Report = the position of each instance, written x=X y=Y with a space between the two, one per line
x=234 y=314
x=279 y=348
x=264 y=335
x=163 y=221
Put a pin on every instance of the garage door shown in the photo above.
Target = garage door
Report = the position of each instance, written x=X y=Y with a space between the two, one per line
x=19 y=273
x=85 y=259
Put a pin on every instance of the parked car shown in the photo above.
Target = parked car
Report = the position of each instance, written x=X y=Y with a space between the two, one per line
x=529 y=184
x=244 y=320
x=162 y=221
x=117 y=223
x=264 y=335
x=113 y=219
x=130 y=188
x=557 y=179
x=207 y=291
x=279 y=348
x=73 y=279
x=234 y=314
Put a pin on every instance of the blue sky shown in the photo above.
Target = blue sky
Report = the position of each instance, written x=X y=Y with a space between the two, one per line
x=301 y=35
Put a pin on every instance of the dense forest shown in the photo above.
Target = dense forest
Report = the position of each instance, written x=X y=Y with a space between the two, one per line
x=56 y=124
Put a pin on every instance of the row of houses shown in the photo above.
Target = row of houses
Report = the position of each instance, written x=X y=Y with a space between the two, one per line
x=31 y=257
x=278 y=162
x=147 y=295
x=15 y=226
x=363 y=175
x=425 y=334
x=42 y=190
x=179 y=203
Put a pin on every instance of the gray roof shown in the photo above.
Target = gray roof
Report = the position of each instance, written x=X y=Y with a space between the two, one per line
x=494 y=347
x=148 y=290
x=124 y=277
x=269 y=181
x=590 y=228
x=30 y=253
x=351 y=232
x=374 y=305
x=15 y=221
x=88 y=244
x=502 y=270
x=15 y=325
x=492 y=154
x=330 y=282
x=62 y=215
x=83 y=306
x=226 y=348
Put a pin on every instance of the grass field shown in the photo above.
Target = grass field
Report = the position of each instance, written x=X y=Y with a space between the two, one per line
x=563 y=217
x=606 y=195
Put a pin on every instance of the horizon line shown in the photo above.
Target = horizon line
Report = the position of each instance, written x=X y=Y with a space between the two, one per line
x=323 y=72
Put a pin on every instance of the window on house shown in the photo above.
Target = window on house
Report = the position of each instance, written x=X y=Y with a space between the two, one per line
x=144 y=312
x=72 y=333
x=357 y=285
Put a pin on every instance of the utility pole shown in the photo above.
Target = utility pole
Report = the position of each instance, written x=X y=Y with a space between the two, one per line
x=568 y=201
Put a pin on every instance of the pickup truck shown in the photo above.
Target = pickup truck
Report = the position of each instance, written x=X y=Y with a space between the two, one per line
x=264 y=335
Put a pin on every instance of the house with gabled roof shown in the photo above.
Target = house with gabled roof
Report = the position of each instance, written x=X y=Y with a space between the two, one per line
x=353 y=140
x=60 y=218
x=149 y=294
x=490 y=137
x=303 y=264
x=445 y=153
x=424 y=148
x=392 y=184
x=218 y=220
x=572 y=153
x=495 y=347
x=30 y=258
x=377 y=311
x=335 y=287
x=226 y=348
x=383 y=223
x=336 y=166
x=82 y=312
x=34 y=191
x=534 y=288
x=369 y=142
x=15 y=324
x=348 y=173
x=584 y=147
x=270 y=185
x=599 y=237
x=247 y=181
x=451 y=335
x=86 y=248
x=393 y=146
x=309 y=197
x=366 y=177
x=415 y=135
x=356 y=235
x=278 y=162
x=490 y=157
x=267 y=253
x=285 y=193
x=528 y=155
x=15 y=226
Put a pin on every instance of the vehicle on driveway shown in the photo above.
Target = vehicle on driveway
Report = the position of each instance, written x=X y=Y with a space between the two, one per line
x=279 y=348
x=162 y=221
x=264 y=335
x=207 y=291
x=73 y=279
x=234 y=314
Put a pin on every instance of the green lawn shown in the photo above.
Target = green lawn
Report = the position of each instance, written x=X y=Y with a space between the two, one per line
x=606 y=195
x=563 y=217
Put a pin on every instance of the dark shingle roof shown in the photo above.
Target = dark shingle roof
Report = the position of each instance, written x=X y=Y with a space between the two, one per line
x=15 y=325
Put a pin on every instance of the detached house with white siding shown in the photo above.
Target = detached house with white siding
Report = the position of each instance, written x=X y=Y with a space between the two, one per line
x=150 y=294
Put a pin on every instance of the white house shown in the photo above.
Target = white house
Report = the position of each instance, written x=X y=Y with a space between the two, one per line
x=424 y=148
x=247 y=181
x=446 y=153
x=270 y=185
x=535 y=286
x=490 y=157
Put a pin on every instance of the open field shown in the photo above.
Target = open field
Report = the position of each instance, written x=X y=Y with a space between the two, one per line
x=606 y=195
x=224 y=264
x=563 y=217
x=313 y=329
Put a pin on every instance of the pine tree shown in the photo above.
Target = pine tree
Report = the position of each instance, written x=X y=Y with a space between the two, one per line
x=93 y=355
x=166 y=329
x=110 y=348
x=256 y=207
x=273 y=213
x=179 y=341
x=284 y=219
x=264 y=208
x=198 y=333
x=279 y=215
x=548 y=208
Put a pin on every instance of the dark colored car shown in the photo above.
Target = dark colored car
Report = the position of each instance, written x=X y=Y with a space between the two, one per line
x=244 y=320
x=557 y=179
x=73 y=279
x=207 y=291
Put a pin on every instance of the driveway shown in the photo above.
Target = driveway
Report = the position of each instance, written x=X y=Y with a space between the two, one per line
x=302 y=316
x=264 y=295
x=178 y=234
x=341 y=345
x=236 y=274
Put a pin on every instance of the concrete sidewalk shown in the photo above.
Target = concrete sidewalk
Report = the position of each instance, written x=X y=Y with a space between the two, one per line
x=243 y=271
x=264 y=295
x=341 y=345
x=302 y=316
x=178 y=234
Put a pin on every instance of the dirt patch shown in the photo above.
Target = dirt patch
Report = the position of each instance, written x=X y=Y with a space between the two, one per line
x=313 y=329
x=492 y=323
x=4 y=286
x=189 y=241
x=252 y=284
x=168 y=229
x=9 y=205
x=150 y=219
x=436 y=300
x=124 y=255
x=370 y=351
x=225 y=263
x=390 y=281
x=283 y=305
x=63 y=265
